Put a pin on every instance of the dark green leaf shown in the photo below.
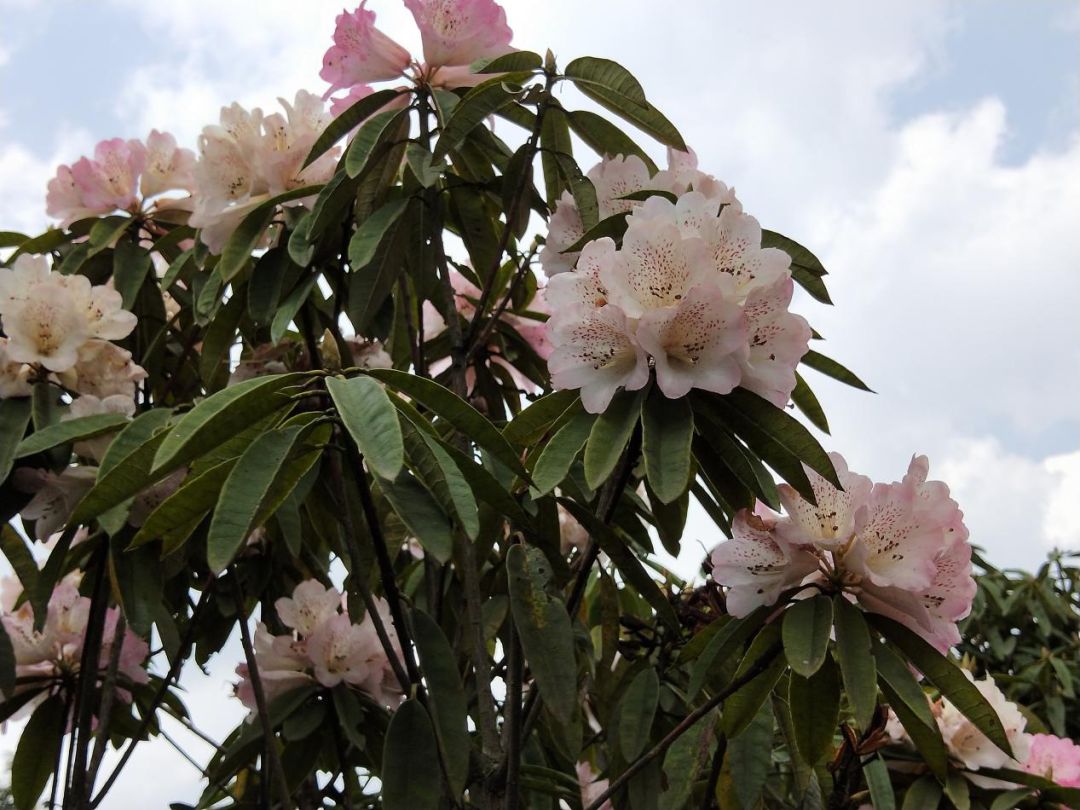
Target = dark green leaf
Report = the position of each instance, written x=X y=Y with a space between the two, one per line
x=925 y=794
x=19 y=557
x=807 y=626
x=853 y=653
x=667 y=430
x=544 y=628
x=1009 y=800
x=742 y=706
x=264 y=288
x=877 y=779
x=606 y=139
x=644 y=116
x=374 y=133
x=613 y=227
x=14 y=419
x=807 y=402
x=912 y=708
x=365 y=242
x=172 y=520
x=723 y=644
x=610 y=433
x=949 y=679
x=606 y=75
x=131 y=264
x=750 y=756
x=7 y=663
x=531 y=424
x=421 y=514
x=815 y=710
x=448 y=405
x=72 y=430
x=513 y=61
x=237 y=251
x=221 y=416
x=636 y=712
x=245 y=492
x=443 y=476
x=410 y=740
x=447 y=696
x=481 y=101
x=372 y=421
x=559 y=453
x=831 y=368
x=343 y=124
x=289 y=308
x=34 y=757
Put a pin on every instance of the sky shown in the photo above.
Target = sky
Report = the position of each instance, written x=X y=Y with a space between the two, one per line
x=927 y=152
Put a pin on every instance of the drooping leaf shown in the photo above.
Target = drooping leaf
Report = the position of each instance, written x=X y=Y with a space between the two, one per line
x=371 y=420
x=605 y=74
x=559 y=453
x=949 y=679
x=533 y=422
x=609 y=436
x=636 y=712
x=806 y=629
x=807 y=402
x=750 y=756
x=72 y=430
x=371 y=233
x=644 y=116
x=245 y=492
x=815 y=710
x=830 y=368
x=33 y=762
x=742 y=706
x=544 y=629
x=448 y=405
x=612 y=227
x=14 y=419
x=925 y=794
x=877 y=779
x=410 y=739
x=667 y=430
x=222 y=415
x=349 y=118
x=853 y=653
x=371 y=140
x=481 y=101
x=237 y=251
x=421 y=513
x=447 y=696
x=606 y=139
x=911 y=706
x=289 y=308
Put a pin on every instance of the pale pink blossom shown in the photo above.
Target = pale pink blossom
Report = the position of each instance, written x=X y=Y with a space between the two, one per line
x=572 y=535
x=55 y=496
x=247 y=158
x=109 y=181
x=683 y=175
x=369 y=354
x=14 y=376
x=583 y=286
x=310 y=605
x=832 y=523
x=64 y=200
x=339 y=104
x=596 y=351
x=460 y=32
x=361 y=53
x=379 y=679
x=168 y=167
x=564 y=229
x=778 y=339
x=973 y=749
x=591 y=787
x=282 y=665
x=697 y=344
x=756 y=564
x=104 y=369
x=1054 y=758
x=338 y=650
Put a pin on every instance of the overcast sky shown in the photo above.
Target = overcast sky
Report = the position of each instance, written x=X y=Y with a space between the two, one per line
x=928 y=152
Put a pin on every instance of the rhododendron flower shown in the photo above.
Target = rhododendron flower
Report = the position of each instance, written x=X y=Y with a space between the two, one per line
x=14 y=375
x=778 y=339
x=591 y=787
x=460 y=32
x=281 y=663
x=756 y=564
x=103 y=370
x=338 y=650
x=310 y=605
x=361 y=53
x=168 y=167
x=1054 y=758
x=109 y=181
x=596 y=351
x=249 y=157
x=55 y=496
x=697 y=344
x=973 y=749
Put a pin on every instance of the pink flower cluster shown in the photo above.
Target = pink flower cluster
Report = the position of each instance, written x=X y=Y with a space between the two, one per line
x=1054 y=758
x=63 y=325
x=455 y=33
x=324 y=647
x=690 y=292
x=56 y=649
x=120 y=177
x=899 y=549
x=249 y=157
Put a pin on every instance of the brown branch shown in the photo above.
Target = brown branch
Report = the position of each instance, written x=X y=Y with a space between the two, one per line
x=261 y=706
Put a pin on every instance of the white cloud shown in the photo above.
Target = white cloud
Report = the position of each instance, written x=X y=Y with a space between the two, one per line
x=24 y=176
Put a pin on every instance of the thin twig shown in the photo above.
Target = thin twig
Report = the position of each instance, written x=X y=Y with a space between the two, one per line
x=159 y=696
x=708 y=802
x=108 y=691
x=261 y=706
x=512 y=727
x=759 y=666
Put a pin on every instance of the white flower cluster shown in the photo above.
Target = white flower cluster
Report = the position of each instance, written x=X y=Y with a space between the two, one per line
x=690 y=292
